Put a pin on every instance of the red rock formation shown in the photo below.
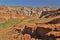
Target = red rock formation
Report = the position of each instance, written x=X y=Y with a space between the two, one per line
x=17 y=12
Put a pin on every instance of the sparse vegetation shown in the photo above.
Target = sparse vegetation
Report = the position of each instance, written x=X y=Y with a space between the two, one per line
x=18 y=19
x=8 y=24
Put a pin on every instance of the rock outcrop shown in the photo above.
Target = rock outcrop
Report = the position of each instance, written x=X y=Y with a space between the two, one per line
x=36 y=23
x=17 y=12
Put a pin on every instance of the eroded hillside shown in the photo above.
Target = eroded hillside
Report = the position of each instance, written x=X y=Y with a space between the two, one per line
x=33 y=23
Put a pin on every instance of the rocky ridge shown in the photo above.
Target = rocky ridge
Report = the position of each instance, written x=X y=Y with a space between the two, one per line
x=16 y=12
x=44 y=22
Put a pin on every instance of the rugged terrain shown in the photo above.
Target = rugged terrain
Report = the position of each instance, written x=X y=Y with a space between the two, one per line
x=29 y=23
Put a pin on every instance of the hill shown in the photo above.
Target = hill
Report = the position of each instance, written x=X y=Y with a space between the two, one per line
x=20 y=23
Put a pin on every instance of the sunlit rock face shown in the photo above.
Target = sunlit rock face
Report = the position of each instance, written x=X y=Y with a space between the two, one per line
x=18 y=12
x=38 y=23
x=49 y=8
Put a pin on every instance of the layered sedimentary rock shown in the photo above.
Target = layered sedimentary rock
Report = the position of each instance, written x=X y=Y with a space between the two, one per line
x=16 y=12
x=37 y=23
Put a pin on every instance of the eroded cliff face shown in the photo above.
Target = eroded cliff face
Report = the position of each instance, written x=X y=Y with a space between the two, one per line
x=33 y=23
x=32 y=32
x=17 y=12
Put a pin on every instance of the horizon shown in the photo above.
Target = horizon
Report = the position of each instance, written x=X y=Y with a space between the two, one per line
x=34 y=3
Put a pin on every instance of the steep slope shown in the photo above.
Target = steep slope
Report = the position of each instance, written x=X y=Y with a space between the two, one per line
x=17 y=12
x=23 y=23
